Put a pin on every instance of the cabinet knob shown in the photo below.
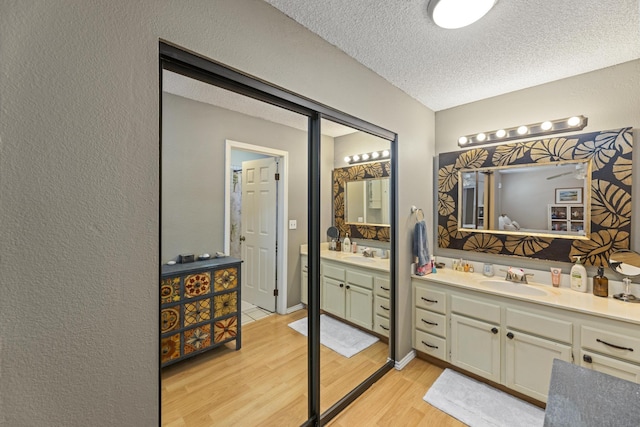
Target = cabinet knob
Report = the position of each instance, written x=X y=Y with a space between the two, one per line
x=348 y=287
x=510 y=335
x=587 y=358
x=342 y=285
x=494 y=330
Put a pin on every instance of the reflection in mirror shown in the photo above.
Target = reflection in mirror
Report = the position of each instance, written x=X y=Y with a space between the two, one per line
x=626 y=263
x=355 y=289
x=551 y=199
x=367 y=202
x=197 y=120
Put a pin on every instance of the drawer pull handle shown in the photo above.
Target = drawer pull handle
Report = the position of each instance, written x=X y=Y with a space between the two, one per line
x=384 y=308
x=510 y=335
x=587 y=358
x=429 y=345
x=494 y=330
x=384 y=327
x=613 y=345
x=429 y=323
x=384 y=289
x=429 y=300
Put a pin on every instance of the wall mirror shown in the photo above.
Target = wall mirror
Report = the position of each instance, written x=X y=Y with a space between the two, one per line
x=367 y=202
x=471 y=203
x=536 y=199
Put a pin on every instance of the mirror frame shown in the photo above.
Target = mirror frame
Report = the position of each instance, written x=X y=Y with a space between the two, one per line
x=610 y=152
x=359 y=172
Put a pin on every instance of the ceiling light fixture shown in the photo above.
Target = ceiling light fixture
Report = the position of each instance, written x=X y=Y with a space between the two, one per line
x=452 y=14
x=518 y=132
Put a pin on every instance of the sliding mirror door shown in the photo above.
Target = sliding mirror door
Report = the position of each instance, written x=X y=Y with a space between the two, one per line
x=230 y=167
x=355 y=282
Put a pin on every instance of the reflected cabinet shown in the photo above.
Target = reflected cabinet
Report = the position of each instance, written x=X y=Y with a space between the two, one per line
x=199 y=308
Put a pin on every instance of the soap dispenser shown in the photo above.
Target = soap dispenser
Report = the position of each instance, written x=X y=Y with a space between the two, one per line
x=601 y=284
x=578 y=276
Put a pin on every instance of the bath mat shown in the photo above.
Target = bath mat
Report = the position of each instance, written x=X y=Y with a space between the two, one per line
x=339 y=337
x=480 y=405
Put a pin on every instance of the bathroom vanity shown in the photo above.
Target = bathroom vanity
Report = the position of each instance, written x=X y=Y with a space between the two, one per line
x=510 y=333
x=199 y=307
x=354 y=288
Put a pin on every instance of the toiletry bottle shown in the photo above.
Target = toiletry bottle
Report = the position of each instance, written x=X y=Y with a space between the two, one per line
x=600 y=284
x=346 y=245
x=354 y=247
x=433 y=264
x=578 y=276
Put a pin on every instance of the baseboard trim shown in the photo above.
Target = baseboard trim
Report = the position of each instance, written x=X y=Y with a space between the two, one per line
x=295 y=308
x=405 y=360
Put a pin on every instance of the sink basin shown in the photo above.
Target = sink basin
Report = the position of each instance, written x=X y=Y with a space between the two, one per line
x=514 y=288
x=359 y=258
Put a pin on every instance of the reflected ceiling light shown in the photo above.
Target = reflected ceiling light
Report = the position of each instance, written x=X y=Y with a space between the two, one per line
x=364 y=157
x=452 y=14
x=518 y=132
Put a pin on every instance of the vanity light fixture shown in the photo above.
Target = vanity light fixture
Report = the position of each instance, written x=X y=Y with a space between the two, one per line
x=366 y=157
x=550 y=127
x=452 y=14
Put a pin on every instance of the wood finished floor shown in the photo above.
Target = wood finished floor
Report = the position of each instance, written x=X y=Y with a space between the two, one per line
x=265 y=384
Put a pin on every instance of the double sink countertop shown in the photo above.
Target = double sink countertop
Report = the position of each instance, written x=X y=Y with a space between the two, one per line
x=543 y=294
x=356 y=260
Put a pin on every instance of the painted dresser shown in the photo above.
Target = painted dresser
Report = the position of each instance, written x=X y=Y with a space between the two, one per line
x=199 y=307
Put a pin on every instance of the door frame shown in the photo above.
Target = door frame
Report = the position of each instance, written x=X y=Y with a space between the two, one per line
x=283 y=211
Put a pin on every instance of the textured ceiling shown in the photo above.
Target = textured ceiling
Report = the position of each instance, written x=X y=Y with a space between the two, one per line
x=518 y=44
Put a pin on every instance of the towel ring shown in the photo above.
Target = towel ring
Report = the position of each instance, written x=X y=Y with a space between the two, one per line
x=418 y=212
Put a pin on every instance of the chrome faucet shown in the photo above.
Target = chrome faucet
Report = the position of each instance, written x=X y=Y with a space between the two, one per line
x=517 y=275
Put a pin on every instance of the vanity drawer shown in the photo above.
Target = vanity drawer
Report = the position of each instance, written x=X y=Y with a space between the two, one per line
x=382 y=286
x=430 y=299
x=431 y=322
x=476 y=309
x=542 y=326
x=430 y=344
x=610 y=343
x=329 y=270
x=383 y=307
x=381 y=325
x=360 y=279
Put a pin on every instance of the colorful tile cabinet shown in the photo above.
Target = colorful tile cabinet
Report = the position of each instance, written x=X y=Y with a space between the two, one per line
x=199 y=307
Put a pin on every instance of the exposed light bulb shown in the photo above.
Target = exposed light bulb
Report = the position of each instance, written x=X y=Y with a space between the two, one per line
x=375 y=155
x=573 y=121
x=546 y=125
x=481 y=136
x=385 y=153
x=347 y=159
x=356 y=158
x=462 y=140
x=522 y=130
x=501 y=133
x=365 y=156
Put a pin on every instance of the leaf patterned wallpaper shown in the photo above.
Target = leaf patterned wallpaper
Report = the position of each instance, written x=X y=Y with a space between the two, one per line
x=357 y=173
x=611 y=157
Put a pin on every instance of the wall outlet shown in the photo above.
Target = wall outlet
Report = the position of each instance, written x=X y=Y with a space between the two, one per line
x=293 y=224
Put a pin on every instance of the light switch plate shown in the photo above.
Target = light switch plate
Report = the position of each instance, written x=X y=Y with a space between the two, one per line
x=293 y=224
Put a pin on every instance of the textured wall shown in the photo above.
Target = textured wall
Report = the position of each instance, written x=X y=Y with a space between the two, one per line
x=79 y=185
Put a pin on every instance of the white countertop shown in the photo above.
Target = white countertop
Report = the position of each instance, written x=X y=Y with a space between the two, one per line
x=563 y=298
x=357 y=260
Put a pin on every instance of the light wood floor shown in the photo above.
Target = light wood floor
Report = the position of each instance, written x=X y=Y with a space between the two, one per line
x=265 y=384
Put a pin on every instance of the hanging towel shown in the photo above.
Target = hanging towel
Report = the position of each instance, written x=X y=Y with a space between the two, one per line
x=421 y=246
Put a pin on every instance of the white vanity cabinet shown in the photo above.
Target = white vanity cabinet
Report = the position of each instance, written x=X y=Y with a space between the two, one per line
x=612 y=348
x=475 y=336
x=347 y=292
x=304 y=279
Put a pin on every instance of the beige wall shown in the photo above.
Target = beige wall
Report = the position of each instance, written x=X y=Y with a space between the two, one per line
x=610 y=98
x=79 y=185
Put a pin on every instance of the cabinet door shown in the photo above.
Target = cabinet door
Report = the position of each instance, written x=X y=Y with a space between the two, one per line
x=304 y=279
x=333 y=296
x=529 y=362
x=608 y=365
x=359 y=306
x=475 y=346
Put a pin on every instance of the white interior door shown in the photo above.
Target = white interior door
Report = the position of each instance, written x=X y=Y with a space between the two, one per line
x=259 y=208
